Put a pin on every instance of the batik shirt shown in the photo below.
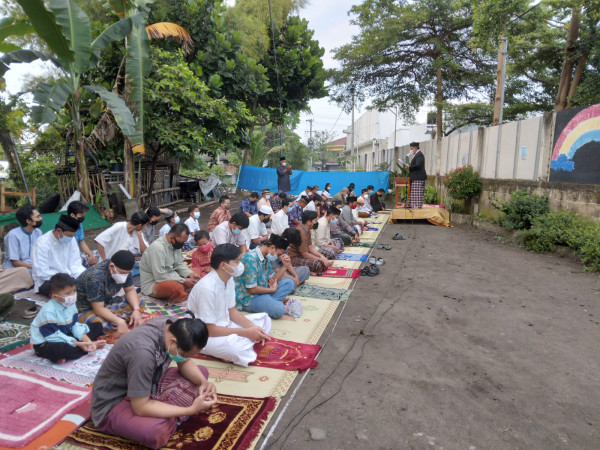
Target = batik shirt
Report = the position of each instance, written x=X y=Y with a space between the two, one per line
x=249 y=207
x=295 y=213
x=96 y=284
x=275 y=203
x=217 y=217
x=257 y=272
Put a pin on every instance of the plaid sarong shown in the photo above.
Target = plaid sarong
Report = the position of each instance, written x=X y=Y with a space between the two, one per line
x=119 y=306
x=417 y=191
x=314 y=265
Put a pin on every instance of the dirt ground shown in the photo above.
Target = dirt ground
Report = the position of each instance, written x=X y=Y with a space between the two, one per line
x=462 y=342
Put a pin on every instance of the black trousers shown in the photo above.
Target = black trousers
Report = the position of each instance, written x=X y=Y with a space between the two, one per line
x=55 y=351
x=45 y=289
x=346 y=239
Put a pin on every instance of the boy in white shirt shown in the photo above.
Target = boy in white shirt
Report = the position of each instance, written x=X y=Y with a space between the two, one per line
x=281 y=220
x=193 y=225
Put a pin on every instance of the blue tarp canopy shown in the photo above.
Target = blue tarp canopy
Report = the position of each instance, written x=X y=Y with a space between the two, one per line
x=258 y=178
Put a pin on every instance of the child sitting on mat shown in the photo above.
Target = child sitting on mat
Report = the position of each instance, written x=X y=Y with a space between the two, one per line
x=56 y=333
x=201 y=256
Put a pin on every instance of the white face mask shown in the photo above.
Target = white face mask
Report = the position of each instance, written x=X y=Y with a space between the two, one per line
x=237 y=270
x=119 y=278
x=284 y=164
x=70 y=300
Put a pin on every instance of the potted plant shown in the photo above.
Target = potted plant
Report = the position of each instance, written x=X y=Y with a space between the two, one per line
x=463 y=184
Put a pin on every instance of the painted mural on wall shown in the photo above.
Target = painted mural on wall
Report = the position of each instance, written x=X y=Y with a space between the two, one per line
x=576 y=151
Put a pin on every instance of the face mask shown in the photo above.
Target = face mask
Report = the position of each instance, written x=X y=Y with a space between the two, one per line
x=70 y=300
x=38 y=224
x=329 y=203
x=81 y=219
x=366 y=196
x=178 y=245
x=334 y=221
x=268 y=197
x=226 y=206
x=205 y=248
x=196 y=215
x=66 y=240
x=266 y=220
x=315 y=226
x=272 y=257
x=177 y=219
x=284 y=164
x=354 y=207
x=236 y=231
x=237 y=270
x=119 y=278
x=153 y=223
x=176 y=357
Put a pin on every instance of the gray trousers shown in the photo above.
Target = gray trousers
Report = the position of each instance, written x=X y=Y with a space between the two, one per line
x=302 y=271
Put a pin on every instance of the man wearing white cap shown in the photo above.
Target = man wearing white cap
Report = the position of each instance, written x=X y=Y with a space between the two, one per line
x=257 y=230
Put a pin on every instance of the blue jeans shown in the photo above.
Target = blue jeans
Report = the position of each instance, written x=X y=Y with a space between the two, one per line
x=272 y=304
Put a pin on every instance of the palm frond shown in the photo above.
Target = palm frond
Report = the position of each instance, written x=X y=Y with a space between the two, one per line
x=168 y=30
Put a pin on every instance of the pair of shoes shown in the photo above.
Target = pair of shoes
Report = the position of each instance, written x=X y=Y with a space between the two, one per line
x=384 y=246
x=377 y=261
x=30 y=313
x=370 y=270
x=398 y=237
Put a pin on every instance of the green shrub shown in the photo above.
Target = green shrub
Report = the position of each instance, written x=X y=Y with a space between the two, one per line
x=463 y=183
x=567 y=228
x=522 y=209
x=431 y=196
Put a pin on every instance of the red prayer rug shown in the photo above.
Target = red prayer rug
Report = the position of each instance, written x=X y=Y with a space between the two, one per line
x=282 y=355
x=31 y=405
x=340 y=272
x=232 y=423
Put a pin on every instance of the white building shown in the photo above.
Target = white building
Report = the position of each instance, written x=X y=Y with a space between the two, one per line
x=377 y=138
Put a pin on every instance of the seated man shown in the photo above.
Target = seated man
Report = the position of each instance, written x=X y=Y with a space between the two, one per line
x=169 y=222
x=78 y=210
x=304 y=254
x=230 y=232
x=342 y=230
x=18 y=243
x=348 y=214
x=321 y=236
x=99 y=297
x=283 y=262
x=124 y=236
x=364 y=207
x=375 y=200
x=280 y=218
x=221 y=214
x=232 y=335
x=295 y=212
x=265 y=199
x=193 y=225
x=250 y=205
x=56 y=252
x=12 y=280
x=257 y=227
x=314 y=204
x=201 y=256
x=155 y=215
x=276 y=201
x=258 y=288
x=341 y=196
x=163 y=273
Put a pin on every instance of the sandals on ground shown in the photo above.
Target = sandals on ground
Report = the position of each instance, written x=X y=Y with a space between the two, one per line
x=398 y=237
x=370 y=270
x=387 y=246
x=30 y=313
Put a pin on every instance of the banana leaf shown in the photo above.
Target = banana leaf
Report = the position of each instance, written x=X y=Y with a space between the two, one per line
x=76 y=28
x=118 y=108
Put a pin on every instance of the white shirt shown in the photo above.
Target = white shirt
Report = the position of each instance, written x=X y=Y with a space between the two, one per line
x=256 y=228
x=194 y=226
x=50 y=257
x=18 y=245
x=223 y=235
x=210 y=299
x=310 y=207
x=117 y=238
x=322 y=235
x=165 y=229
x=280 y=222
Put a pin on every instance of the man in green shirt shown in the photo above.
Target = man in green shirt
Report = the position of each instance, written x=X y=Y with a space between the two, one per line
x=163 y=273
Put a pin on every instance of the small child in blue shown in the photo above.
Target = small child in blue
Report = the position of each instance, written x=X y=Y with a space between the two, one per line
x=56 y=334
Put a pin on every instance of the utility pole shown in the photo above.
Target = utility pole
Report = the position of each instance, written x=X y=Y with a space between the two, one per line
x=352 y=148
x=310 y=139
x=500 y=81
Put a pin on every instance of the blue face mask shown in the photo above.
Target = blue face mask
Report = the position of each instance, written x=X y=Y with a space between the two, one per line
x=177 y=219
x=66 y=240
x=334 y=221
x=272 y=257
x=176 y=357
x=236 y=231
x=196 y=215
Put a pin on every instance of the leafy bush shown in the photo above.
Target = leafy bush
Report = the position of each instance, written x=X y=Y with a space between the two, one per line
x=566 y=228
x=522 y=209
x=39 y=173
x=431 y=196
x=463 y=183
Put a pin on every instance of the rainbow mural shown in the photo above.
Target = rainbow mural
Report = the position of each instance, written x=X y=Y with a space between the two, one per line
x=576 y=151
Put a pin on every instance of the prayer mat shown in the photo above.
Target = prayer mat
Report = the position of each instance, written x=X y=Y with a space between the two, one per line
x=369 y=235
x=323 y=293
x=350 y=257
x=338 y=283
x=347 y=264
x=31 y=295
x=368 y=228
x=253 y=380
x=340 y=272
x=355 y=251
x=80 y=372
x=12 y=335
x=365 y=243
x=283 y=355
x=111 y=336
x=32 y=404
x=165 y=309
x=232 y=423
x=316 y=315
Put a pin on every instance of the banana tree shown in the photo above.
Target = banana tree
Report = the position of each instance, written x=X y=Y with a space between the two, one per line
x=66 y=30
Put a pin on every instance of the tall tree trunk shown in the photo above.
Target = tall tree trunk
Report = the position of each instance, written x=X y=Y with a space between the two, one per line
x=8 y=146
x=83 y=180
x=439 y=98
x=577 y=78
x=568 y=62
x=128 y=168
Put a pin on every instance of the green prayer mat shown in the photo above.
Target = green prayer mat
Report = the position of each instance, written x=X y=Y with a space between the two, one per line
x=323 y=293
x=363 y=244
x=93 y=220
x=12 y=335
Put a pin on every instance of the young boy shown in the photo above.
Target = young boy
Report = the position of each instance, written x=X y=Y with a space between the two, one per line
x=201 y=256
x=55 y=332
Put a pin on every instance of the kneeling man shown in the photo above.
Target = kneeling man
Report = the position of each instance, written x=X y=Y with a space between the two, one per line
x=231 y=334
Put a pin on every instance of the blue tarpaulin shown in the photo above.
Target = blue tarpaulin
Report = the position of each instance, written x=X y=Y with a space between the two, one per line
x=253 y=178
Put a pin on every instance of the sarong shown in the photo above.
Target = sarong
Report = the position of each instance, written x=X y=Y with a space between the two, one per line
x=417 y=192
